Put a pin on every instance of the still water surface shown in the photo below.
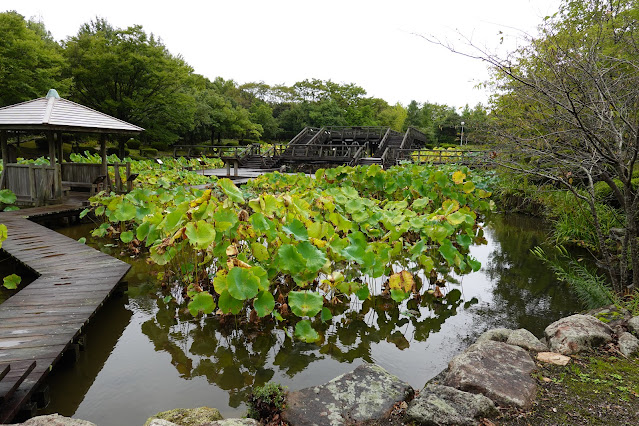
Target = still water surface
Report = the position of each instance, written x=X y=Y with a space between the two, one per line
x=143 y=356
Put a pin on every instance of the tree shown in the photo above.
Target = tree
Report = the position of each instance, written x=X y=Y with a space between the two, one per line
x=131 y=76
x=31 y=62
x=568 y=111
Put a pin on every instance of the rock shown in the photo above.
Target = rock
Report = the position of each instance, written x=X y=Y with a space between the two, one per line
x=55 y=420
x=367 y=393
x=611 y=315
x=496 y=334
x=628 y=344
x=553 y=358
x=497 y=370
x=160 y=422
x=188 y=416
x=443 y=405
x=577 y=333
x=525 y=339
x=233 y=422
x=633 y=325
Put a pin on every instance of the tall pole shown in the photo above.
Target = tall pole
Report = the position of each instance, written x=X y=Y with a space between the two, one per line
x=461 y=141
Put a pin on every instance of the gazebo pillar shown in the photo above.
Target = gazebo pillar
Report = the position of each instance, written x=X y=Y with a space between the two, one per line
x=5 y=148
x=57 y=190
x=5 y=156
x=103 y=154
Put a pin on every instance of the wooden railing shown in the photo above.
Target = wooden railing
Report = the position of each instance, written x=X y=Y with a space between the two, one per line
x=358 y=155
x=439 y=156
x=217 y=151
x=321 y=152
x=34 y=184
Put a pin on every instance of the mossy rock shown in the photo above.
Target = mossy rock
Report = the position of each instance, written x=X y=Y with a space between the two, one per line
x=188 y=416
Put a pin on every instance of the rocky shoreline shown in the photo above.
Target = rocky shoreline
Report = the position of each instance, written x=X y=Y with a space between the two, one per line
x=491 y=374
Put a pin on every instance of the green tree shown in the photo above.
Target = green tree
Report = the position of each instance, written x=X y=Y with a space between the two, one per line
x=31 y=62
x=568 y=111
x=132 y=76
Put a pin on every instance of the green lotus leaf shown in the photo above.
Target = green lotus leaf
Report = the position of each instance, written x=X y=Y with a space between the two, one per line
x=12 y=281
x=458 y=218
x=468 y=187
x=399 y=295
x=290 y=259
x=363 y=293
x=357 y=248
x=242 y=284
x=7 y=196
x=231 y=190
x=315 y=258
x=449 y=252
x=127 y=237
x=125 y=211
x=220 y=284
x=260 y=252
x=201 y=302
x=326 y=315
x=142 y=231
x=228 y=304
x=225 y=219
x=305 y=303
x=297 y=229
x=264 y=303
x=262 y=275
x=474 y=264
x=200 y=234
x=305 y=332
x=464 y=240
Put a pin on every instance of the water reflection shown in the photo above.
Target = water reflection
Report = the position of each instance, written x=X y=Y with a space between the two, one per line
x=154 y=356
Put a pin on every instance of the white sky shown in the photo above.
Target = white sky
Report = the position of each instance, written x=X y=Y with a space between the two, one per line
x=369 y=43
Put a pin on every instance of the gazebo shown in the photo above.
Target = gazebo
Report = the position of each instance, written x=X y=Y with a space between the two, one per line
x=52 y=115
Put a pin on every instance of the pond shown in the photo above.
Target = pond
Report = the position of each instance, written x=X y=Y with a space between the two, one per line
x=143 y=355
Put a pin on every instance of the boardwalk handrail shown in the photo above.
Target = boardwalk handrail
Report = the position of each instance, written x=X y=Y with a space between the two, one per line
x=358 y=155
x=441 y=156
x=323 y=152
x=213 y=150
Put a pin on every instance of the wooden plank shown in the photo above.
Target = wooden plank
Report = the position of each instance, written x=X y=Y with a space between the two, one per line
x=4 y=369
x=18 y=373
x=43 y=319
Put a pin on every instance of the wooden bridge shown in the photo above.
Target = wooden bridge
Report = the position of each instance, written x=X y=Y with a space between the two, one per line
x=43 y=321
x=338 y=145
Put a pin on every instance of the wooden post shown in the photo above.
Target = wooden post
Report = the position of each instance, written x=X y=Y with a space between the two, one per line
x=58 y=171
x=52 y=161
x=5 y=157
x=118 y=178
x=104 y=170
x=32 y=183
x=129 y=183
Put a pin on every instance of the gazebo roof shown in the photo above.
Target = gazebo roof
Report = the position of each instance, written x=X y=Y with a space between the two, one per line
x=57 y=114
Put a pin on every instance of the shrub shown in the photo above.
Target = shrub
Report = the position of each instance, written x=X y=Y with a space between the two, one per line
x=149 y=152
x=159 y=146
x=133 y=144
x=266 y=401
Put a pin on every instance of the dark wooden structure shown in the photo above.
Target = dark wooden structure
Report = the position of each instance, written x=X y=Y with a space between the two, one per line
x=42 y=322
x=52 y=115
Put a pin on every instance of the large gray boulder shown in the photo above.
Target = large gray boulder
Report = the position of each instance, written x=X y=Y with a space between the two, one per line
x=497 y=370
x=55 y=420
x=495 y=334
x=366 y=394
x=525 y=339
x=577 y=333
x=628 y=344
x=188 y=416
x=442 y=405
x=633 y=325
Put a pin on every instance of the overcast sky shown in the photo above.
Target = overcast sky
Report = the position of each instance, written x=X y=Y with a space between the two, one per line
x=370 y=43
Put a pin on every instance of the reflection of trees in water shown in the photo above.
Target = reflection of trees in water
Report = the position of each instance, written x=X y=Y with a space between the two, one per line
x=236 y=355
x=525 y=293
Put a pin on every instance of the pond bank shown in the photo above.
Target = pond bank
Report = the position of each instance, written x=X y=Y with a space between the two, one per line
x=503 y=368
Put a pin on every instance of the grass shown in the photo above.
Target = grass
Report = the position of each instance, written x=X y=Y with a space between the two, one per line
x=598 y=388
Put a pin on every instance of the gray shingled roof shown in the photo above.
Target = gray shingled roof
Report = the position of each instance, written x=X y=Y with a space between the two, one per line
x=55 y=113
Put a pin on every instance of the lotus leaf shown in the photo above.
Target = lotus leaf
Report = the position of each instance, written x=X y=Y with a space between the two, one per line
x=305 y=332
x=305 y=303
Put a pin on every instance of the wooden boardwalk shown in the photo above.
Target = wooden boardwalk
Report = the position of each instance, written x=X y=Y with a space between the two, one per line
x=45 y=318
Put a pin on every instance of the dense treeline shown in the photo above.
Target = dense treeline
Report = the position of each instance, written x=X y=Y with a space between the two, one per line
x=131 y=75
